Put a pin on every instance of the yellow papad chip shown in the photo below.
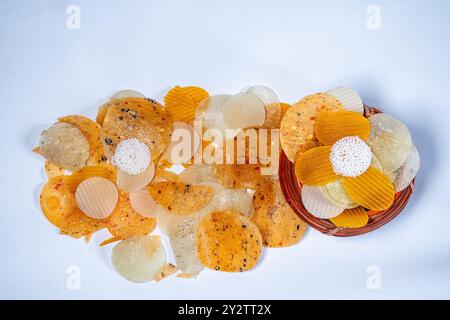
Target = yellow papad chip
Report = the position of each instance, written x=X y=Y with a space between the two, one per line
x=334 y=125
x=181 y=102
x=179 y=198
x=314 y=168
x=52 y=170
x=136 y=118
x=372 y=190
x=166 y=271
x=277 y=222
x=60 y=208
x=73 y=180
x=351 y=218
x=124 y=222
x=297 y=127
x=91 y=131
x=238 y=176
x=228 y=241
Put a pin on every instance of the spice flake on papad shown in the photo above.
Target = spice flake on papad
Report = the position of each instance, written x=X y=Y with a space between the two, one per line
x=136 y=118
x=228 y=241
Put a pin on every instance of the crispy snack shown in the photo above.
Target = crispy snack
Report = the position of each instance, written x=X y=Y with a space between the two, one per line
x=139 y=259
x=125 y=223
x=373 y=189
x=313 y=167
x=64 y=145
x=182 y=237
x=243 y=111
x=335 y=193
x=52 y=170
x=73 y=180
x=349 y=98
x=239 y=200
x=284 y=107
x=234 y=176
x=136 y=118
x=179 y=198
x=91 y=131
x=166 y=271
x=181 y=102
x=390 y=141
x=317 y=204
x=351 y=218
x=297 y=126
x=271 y=104
x=97 y=197
x=228 y=241
x=406 y=173
x=334 y=125
x=59 y=207
x=277 y=222
x=135 y=182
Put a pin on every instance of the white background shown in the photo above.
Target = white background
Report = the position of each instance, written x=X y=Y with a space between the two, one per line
x=297 y=48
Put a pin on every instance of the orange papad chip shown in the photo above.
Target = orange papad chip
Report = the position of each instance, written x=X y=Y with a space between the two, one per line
x=351 y=218
x=124 y=222
x=278 y=223
x=181 y=102
x=91 y=131
x=372 y=190
x=334 y=125
x=297 y=126
x=228 y=241
x=179 y=198
x=52 y=170
x=136 y=118
x=314 y=168
x=239 y=176
x=73 y=180
x=59 y=206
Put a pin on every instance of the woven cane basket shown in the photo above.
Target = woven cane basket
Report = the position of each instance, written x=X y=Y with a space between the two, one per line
x=292 y=191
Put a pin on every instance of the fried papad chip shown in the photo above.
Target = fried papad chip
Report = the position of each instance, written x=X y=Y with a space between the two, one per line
x=127 y=93
x=136 y=118
x=52 y=170
x=284 y=107
x=349 y=98
x=91 y=131
x=313 y=167
x=181 y=102
x=239 y=200
x=73 y=180
x=271 y=104
x=407 y=172
x=143 y=203
x=179 y=198
x=334 y=125
x=390 y=141
x=125 y=223
x=139 y=259
x=198 y=173
x=210 y=112
x=64 y=145
x=135 y=182
x=297 y=126
x=59 y=207
x=317 y=204
x=243 y=111
x=351 y=218
x=166 y=271
x=277 y=222
x=372 y=190
x=228 y=241
x=185 y=143
x=97 y=197
x=182 y=237
x=234 y=176
x=335 y=193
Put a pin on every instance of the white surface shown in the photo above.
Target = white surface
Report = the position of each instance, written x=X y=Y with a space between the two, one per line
x=295 y=47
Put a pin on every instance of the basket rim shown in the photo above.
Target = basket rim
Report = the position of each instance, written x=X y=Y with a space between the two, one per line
x=291 y=189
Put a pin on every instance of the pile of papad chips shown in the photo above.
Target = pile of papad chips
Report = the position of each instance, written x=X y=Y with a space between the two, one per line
x=116 y=173
x=350 y=167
